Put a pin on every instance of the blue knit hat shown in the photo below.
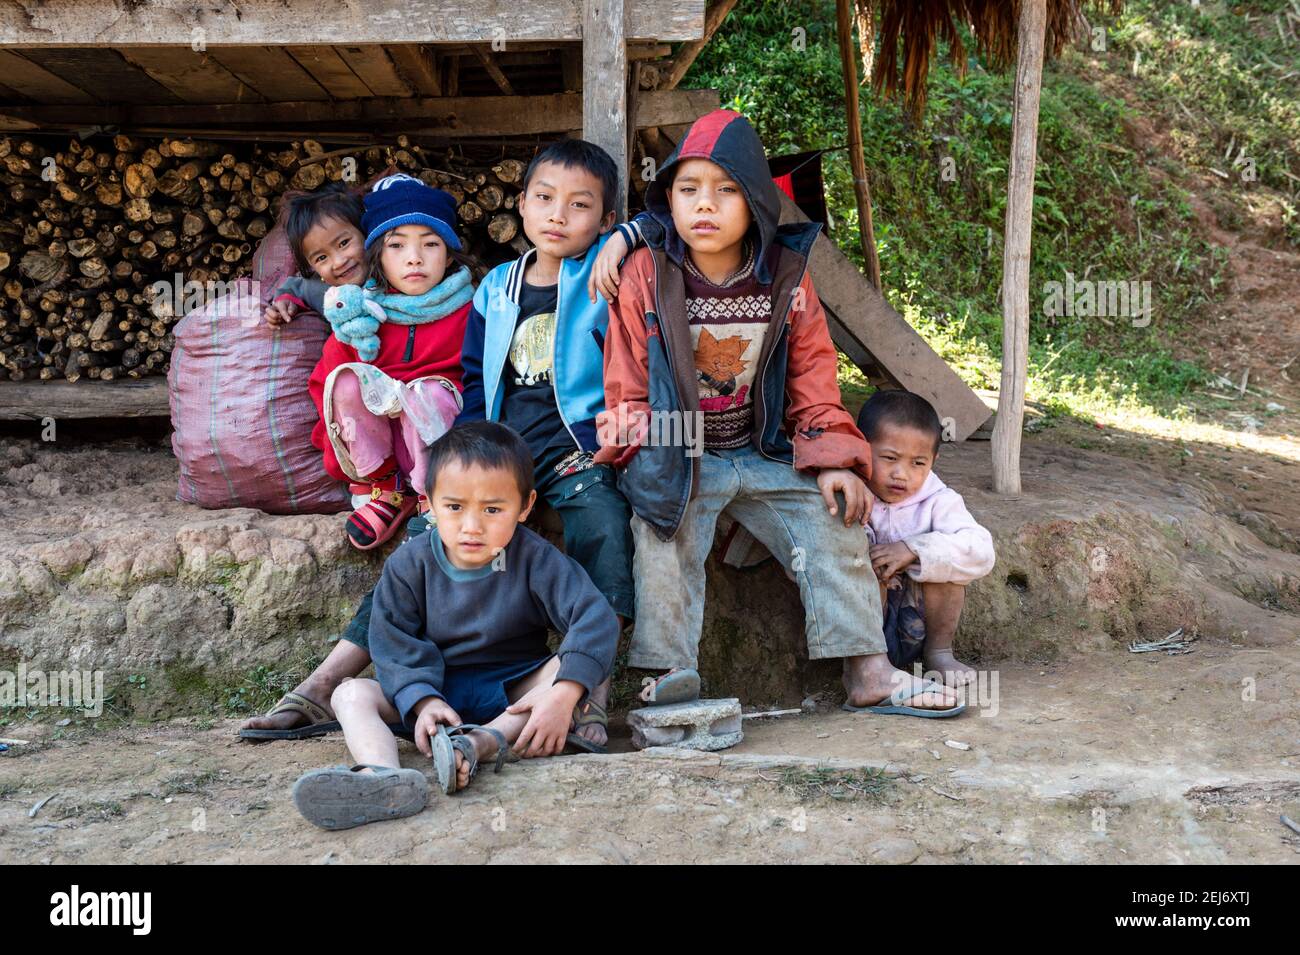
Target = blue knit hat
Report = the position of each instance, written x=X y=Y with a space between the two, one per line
x=404 y=200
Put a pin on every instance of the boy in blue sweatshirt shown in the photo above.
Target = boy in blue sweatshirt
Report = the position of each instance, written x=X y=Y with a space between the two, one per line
x=533 y=359
x=458 y=634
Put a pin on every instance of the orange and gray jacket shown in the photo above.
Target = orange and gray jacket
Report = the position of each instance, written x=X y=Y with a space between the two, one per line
x=650 y=362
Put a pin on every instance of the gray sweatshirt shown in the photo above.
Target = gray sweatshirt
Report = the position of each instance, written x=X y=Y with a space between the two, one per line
x=429 y=615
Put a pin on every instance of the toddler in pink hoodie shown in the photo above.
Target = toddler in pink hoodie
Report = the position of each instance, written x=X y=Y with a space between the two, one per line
x=926 y=547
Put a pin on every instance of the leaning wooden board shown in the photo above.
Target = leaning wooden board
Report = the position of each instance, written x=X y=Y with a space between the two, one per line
x=62 y=400
x=862 y=321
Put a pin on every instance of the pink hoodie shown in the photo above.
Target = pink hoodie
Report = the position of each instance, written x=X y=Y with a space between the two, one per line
x=934 y=523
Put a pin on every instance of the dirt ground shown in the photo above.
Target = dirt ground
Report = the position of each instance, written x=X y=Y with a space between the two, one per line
x=1104 y=756
x=1113 y=758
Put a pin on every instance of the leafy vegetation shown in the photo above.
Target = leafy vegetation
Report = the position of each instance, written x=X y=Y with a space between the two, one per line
x=1107 y=204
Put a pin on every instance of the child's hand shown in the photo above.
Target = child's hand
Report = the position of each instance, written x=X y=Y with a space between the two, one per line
x=604 y=272
x=433 y=710
x=552 y=714
x=280 y=312
x=888 y=560
x=857 y=499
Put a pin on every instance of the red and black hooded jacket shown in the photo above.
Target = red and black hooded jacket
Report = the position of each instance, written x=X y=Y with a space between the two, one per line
x=649 y=359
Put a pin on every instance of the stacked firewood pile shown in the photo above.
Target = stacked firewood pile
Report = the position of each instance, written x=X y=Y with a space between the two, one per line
x=88 y=228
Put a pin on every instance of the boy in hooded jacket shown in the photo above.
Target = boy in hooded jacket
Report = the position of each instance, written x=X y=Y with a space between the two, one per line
x=721 y=394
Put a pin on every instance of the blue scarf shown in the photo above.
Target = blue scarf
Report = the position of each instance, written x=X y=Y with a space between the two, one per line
x=439 y=302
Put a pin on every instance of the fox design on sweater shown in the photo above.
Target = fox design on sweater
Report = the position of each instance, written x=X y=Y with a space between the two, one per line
x=719 y=362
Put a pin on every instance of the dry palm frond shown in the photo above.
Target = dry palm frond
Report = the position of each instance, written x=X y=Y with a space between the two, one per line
x=916 y=27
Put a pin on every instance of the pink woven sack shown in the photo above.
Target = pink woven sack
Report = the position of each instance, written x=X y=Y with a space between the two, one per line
x=241 y=414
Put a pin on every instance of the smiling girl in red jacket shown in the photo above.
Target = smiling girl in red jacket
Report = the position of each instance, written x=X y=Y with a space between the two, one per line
x=388 y=382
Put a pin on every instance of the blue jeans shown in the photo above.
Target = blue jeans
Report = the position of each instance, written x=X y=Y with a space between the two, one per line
x=784 y=509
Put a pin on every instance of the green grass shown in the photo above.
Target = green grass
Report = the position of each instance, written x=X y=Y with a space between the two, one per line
x=836 y=784
x=1105 y=207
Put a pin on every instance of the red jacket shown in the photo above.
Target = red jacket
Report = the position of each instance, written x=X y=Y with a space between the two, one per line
x=406 y=352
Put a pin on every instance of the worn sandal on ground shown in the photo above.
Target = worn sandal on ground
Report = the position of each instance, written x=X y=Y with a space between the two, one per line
x=897 y=700
x=585 y=714
x=319 y=722
x=374 y=523
x=446 y=742
x=680 y=686
x=340 y=798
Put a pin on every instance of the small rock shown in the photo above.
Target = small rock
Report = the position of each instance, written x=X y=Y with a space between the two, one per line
x=64 y=722
x=1274 y=407
x=893 y=850
x=935 y=754
x=955 y=744
x=823 y=735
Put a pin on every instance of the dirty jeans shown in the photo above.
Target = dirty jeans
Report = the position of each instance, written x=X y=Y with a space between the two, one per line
x=784 y=509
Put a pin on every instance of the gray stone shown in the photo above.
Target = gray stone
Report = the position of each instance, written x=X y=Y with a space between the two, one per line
x=700 y=724
x=892 y=850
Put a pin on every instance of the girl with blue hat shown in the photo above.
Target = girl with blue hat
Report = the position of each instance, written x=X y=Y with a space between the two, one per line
x=389 y=379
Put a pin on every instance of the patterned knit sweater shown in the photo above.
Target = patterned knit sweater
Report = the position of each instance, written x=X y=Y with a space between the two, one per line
x=728 y=324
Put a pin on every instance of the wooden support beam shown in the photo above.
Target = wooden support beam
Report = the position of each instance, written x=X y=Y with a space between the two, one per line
x=102 y=73
x=195 y=77
x=418 y=67
x=62 y=400
x=690 y=50
x=451 y=85
x=271 y=71
x=30 y=23
x=330 y=70
x=37 y=83
x=373 y=67
x=484 y=56
x=571 y=67
x=604 y=86
x=1016 y=247
x=449 y=116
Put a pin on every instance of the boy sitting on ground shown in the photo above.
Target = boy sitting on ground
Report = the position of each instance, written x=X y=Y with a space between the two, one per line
x=458 y=635
x=926 y=547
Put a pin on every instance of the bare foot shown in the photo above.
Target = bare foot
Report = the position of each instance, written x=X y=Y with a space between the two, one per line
x=952 y=670
x=594 y=732
x=485 y=748
x=869 y=681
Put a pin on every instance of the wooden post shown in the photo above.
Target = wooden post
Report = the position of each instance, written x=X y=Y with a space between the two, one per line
x=848 y=64
x=604 y=86
x=1016 y=246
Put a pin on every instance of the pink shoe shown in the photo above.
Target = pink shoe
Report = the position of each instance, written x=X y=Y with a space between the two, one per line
x=374 y=524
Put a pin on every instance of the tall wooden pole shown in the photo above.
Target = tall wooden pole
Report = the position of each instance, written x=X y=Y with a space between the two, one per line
x=604 y=86
x=848 y=64
x=1016 y=246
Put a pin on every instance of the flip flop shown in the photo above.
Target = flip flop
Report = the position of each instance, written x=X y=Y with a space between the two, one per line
x=341 y=798
x=681 y=686
x=897 y=699
x=319 y=721
x=445 y=742
x=585 y=714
